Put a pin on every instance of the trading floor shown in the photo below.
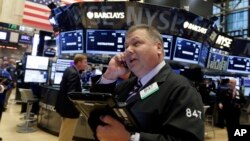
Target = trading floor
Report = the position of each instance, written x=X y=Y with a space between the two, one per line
x=11 y=118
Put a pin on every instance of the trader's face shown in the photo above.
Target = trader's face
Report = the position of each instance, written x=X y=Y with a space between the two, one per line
x=232 y=84
x=142 y=53
x=83 y=64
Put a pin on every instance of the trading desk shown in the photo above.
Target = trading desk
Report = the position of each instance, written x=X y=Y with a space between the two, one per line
x=50 y=121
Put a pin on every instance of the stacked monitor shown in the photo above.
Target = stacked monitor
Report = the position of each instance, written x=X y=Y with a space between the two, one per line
x=238 y=64
x=167 y=44
x=203 y=55
x=36 y=69
x=105 y=41
x=72 y=42
x=246 y=84
x=217 y=60
x=187 y=51
x=61 y=65
x=15 y=37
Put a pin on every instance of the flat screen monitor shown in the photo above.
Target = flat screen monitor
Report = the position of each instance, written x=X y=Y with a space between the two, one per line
x=217 y=60
x=25 y=39
x=105 y=41
x=37 y=62
x=38 y=76
x=186 y=51
x=62 y=64
x=4 y=36
x=246 y=81
x=71 y=42
x=203 y=55
x=167 y=44
x=58 y=78
x=246 y=91
x=238 y=64
x=14 y=37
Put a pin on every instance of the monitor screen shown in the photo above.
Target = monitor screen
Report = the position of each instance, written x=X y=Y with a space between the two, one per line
x=246 y=91
x=71 y=42
x=37 y=62
x=217 y=60
x=25 y=39
x=14 y=37
x=4 y=36
x=39 y=76
x=62 y=64
x=58 y=78
x=246 y=81
x=167 y=44
x=105 y=41
x=186 y=51
x=203 y=55
x=238 y=64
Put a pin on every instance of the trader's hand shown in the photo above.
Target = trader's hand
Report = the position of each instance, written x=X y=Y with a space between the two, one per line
x=1 y=88
x=116 y=67
x=114 y=131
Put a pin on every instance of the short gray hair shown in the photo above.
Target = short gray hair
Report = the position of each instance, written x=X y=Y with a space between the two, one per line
x=152 y=32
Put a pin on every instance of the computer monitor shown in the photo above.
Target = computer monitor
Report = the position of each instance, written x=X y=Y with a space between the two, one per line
x=203 y=55
x=72 y=42
x=58 y=78
x=25 y=39
x=14 y=37
x=246 y=91
x=217 y=60
x=62 y=64
x=187 y=51
x=105 y=41
x=37 y=62
x=246 y=81
x=167 y=44
x=4 y=36
x=238 y=64
x=38 y=76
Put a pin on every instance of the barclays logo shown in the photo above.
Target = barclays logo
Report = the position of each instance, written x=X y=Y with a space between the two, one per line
x=194 y=27
x=105 y=15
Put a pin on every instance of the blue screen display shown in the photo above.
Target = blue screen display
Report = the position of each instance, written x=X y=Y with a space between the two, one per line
x=238 y=64
x=25 y=39
x=187 y=51
x=203 y=55
x=246 y=81
x=167 y=44
x=71 y=42
x=217 y=60
x=105 y=41
x=62 y=64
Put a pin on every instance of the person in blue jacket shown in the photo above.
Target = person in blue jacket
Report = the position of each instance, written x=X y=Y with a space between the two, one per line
x=5 y=85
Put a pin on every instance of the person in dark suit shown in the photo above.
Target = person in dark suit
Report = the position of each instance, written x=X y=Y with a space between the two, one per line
x=230 y=102
x=166 y=106
x=70 y=83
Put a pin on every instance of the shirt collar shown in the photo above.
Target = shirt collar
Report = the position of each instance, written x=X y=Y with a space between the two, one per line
x=145 y=79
